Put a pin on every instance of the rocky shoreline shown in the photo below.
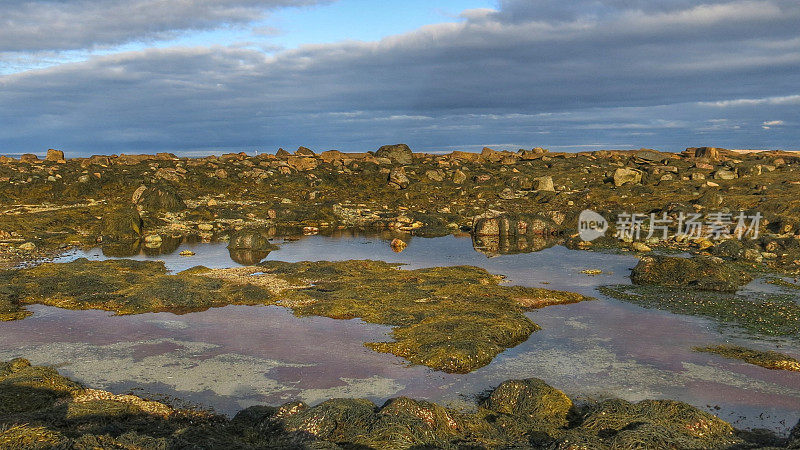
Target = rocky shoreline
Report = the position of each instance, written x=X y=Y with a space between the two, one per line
x=509 y=201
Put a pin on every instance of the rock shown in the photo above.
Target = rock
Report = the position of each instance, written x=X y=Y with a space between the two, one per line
x=459 y=177
x=703 y=273
x=303 y=151
x=651 y=155
x=435 y=175
x=794 y=436
x=641 y=247
x=187 y=253
x=122 y=224
x=250 y=240
x=398 y=245
x=137 y=194
x=711 y=153
x=626 y=175
x=497 y=224
x=507 y=194
x=28 y=246
x=725 y=174
x=398 y=154
x=545 y=184
x=531 y=398
x=432 y=415
x=160 y=198
x=281 y=153
x=302 y=163
x=338 y=420
x=29 y=158
x=491 y=155
x=398 y=178
x=54 y=155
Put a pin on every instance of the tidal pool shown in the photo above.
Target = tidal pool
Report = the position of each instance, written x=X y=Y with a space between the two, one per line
x=233 y=357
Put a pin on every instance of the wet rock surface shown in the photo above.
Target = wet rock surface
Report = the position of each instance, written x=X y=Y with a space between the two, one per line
x=42 y=409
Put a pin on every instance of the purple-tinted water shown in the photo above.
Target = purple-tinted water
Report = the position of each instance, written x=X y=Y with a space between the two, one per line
x=234 y=357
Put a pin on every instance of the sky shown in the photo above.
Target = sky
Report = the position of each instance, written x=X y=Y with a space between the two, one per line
x=211 y=76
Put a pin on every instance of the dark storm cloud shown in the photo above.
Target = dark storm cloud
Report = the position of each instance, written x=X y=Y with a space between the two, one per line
x=668 y=77
x=31 y=25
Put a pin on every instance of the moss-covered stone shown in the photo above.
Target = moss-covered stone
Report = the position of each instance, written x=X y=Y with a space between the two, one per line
x=531 y=398
x=697 y=273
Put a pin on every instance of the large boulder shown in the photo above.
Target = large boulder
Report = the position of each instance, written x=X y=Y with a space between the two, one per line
x=532 y=399
x=54 y=155
x=398 y=153
x=157 y=199
x=703 y=273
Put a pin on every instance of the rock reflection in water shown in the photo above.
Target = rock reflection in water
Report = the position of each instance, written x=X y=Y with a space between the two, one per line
x=511 y=245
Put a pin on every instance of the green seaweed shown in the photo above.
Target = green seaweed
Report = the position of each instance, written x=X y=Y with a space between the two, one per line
x=769 y=315
x=454 y=319
x=767 y=359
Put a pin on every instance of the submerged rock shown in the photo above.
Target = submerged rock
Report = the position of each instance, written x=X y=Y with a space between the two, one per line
x=701 y=273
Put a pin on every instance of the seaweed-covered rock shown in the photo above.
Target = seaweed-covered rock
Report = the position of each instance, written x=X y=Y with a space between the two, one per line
x=337 y=420
x=251 y=240
x=531 y=398
x=794 y=436
x=159 y=198
x=698 y=273
x=398 y=154
x=122 y=224
x=657 y=424
x=432 y=415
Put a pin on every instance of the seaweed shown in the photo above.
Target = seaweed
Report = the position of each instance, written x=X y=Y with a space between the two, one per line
x=767 y=359
x=454 y=319
x=766 y=315
x=51 y=411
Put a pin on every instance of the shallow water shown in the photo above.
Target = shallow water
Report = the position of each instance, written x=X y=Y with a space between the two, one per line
x=237 y=356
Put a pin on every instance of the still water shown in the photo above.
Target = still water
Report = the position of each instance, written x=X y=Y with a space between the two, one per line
x=234 y=357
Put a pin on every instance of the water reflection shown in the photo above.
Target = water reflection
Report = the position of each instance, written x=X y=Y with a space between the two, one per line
x=238 y=356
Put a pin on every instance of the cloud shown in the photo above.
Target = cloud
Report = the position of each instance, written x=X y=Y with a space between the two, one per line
x=620 y=73
x=37 y=25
